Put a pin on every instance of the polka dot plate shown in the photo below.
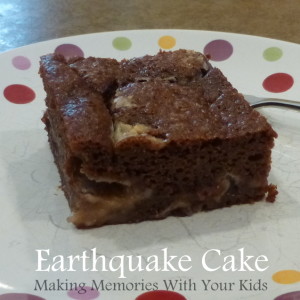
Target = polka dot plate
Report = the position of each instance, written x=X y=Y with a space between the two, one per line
x=34 y=232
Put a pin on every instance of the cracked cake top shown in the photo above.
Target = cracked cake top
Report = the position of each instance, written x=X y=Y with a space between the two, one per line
x=169 y=97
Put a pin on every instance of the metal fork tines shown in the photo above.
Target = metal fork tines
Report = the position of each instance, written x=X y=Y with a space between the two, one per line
x=259 y=102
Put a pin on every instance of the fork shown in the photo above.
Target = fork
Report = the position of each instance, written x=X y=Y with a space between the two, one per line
x=260 y=101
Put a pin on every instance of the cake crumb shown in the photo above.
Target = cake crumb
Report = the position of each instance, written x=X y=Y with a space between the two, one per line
x=272 y=193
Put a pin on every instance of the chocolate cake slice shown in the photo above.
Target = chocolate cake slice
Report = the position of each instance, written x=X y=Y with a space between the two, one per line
x=152 y=137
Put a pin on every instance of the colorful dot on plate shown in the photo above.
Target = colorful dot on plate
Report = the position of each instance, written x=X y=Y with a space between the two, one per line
x=272 y=54
x=87 y=293
x=289 y=296
x=21 y=62
x=218 y=50
x=19 y=296
x=69 y=50
x=167 y=42
x=286 y=276
x=19 y=94
x=122 y=43
x=160 y=295
x=278 y=82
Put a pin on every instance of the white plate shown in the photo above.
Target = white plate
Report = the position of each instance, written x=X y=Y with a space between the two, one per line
x=34 y=210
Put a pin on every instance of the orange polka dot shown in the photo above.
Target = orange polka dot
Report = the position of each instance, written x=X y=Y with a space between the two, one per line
x=286 y=276
x=167 y=42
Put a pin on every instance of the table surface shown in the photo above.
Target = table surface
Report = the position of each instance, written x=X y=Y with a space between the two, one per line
x=24 y=22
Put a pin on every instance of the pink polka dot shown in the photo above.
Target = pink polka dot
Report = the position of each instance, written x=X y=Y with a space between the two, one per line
x=289 y=296
x=218 y=50
x=87 y=293
x=278 y=82
x=160 y=295
x=21 y=62
x=19 y=94
x=18 y=296
x=69 y=50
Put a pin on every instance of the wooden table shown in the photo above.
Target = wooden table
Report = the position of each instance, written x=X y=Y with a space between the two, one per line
x=24 y=22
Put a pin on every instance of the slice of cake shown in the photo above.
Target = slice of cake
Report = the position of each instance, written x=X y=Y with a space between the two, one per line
x=151 y=137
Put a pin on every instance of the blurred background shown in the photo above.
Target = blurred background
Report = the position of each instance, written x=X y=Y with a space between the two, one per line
x=24 y=22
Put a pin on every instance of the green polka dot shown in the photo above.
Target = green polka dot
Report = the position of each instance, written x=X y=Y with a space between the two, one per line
x=272 y=54
x=122 y=43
